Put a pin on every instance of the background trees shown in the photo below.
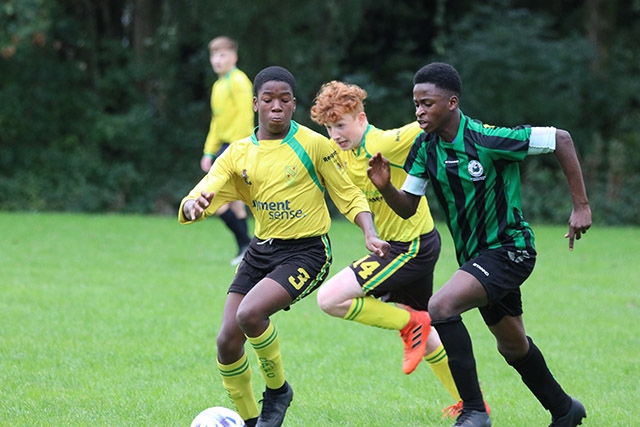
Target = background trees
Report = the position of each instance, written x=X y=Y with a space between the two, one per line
x=104 y=105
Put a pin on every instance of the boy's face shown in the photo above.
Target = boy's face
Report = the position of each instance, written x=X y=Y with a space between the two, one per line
x=434 y=106
x=275 y=105
x=348 y=131
x=223 y=60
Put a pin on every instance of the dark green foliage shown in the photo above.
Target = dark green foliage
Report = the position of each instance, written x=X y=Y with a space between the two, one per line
x=105 y=105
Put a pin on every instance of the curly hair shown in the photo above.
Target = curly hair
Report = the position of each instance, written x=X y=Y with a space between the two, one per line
x=441 y=75
x=335 y=99
x=273 y=73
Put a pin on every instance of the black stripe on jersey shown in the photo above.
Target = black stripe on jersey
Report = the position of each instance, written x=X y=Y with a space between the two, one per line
x=501 y=204
x=411 y=156
x=456 y=186
x=479 y=199
x=501 y=139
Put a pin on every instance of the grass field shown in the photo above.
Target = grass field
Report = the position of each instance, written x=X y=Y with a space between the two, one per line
x=111 y=321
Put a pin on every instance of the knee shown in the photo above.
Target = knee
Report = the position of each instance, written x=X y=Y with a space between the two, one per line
x=324 y=300
x=332 y=303
x=223 y=340
x=229 y=346
x=247 y=317
x=514 y=349
x=439 y=309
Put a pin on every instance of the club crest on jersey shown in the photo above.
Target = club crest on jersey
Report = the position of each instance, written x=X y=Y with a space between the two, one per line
x=245 y=176
x=475 y=170
x=290 y=172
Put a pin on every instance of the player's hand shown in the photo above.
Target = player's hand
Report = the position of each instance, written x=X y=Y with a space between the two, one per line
x=378 y=246
x=379 y=171
x=579 y=223
x=206 y=162
x=193 y=209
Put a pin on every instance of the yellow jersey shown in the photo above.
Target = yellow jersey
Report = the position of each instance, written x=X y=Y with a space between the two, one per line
x=394 y=144
x=283 y=182
x=232 y=116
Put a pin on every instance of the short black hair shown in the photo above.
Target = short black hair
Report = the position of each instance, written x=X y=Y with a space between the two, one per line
x=441 y=75
x=272 y=73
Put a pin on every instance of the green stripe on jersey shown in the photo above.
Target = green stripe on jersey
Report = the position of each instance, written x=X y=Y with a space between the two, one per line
x=292 y=142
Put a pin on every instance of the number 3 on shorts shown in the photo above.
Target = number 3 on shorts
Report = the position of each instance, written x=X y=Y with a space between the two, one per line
x=299 y=280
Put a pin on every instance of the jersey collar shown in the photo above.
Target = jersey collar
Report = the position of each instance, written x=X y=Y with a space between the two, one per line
x=288 y=137
x=460 y=134
x=362 y=146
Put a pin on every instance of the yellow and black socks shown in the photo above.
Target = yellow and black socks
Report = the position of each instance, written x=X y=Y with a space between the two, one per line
x=373 y=312
x=267 y=348
x=236 y=379
x=439 y=363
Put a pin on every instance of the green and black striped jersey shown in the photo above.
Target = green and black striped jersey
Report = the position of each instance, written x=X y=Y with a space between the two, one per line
x=476 y=179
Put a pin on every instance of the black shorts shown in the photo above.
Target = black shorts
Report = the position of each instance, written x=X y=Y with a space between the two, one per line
x=222 y=149
x=501 y=272
x=405 y=276
x=300 y=266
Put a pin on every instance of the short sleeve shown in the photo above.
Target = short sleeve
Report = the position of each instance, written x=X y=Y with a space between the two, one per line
x=542 y=140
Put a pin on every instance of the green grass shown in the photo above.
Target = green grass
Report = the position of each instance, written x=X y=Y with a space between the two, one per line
x=111 y=321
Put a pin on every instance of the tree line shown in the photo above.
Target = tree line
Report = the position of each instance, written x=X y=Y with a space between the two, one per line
x=105 y=105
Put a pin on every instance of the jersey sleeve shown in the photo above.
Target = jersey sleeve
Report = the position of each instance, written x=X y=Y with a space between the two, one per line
x=242 y=92
x=501 y=143
x=416 y=161
x=232 y=114
x=219 y=180
x=348 y=198
x=542 y=140
x=399 y=143
x=212 y=144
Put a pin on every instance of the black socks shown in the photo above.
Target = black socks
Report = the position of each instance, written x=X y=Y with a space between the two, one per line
x=238 y=227
x=457 y=342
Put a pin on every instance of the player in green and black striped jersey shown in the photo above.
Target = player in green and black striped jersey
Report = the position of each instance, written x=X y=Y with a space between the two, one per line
x=475 y=175
x=393 y=292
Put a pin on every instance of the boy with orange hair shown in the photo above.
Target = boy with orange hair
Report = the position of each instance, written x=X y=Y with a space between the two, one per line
x=392 y=292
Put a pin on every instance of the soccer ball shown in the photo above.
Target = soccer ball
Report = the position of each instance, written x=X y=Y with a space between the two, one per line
x=218 y=417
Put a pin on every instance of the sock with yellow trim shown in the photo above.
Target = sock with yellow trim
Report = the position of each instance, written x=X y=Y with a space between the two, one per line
x=236 y=379
x=373 y=312
x=439 y=363
x=267 y=348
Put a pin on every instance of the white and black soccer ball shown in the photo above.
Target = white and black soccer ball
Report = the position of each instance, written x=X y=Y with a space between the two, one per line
x=218 y=416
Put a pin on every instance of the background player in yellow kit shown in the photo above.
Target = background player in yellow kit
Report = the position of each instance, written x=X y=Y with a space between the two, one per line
x=232 y=118
x=281 y=171
x=366 y=290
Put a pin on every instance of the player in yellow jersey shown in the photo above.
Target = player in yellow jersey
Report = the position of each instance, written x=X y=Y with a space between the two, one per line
x=231 y=119
x=281 y=171
x=366 y=290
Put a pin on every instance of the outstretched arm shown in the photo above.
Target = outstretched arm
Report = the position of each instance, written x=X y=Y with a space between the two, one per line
x=379 y=172
x=580 y=219
x=372 y=241
x=193 y=209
